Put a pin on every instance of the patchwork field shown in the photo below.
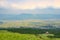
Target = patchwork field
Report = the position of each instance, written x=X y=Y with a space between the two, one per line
x=29 y=23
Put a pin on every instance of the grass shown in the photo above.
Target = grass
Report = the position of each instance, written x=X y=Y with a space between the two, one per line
x=6 y=35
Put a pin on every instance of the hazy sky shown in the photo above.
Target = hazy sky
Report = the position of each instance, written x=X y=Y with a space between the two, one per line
x=27 y=4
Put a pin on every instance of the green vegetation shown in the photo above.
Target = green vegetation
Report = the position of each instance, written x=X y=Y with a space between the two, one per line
x=5 y=35
x=29 y=34
x=27 y=30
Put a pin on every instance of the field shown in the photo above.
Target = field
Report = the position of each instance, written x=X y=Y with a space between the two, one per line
x=29 y=30
x=29 y=23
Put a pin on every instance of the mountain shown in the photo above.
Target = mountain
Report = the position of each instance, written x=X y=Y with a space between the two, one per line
x=37 y=13
x=49 y=10
x=28 y=16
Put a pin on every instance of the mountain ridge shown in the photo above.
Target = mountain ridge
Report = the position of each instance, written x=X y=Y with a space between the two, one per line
x=28 y=16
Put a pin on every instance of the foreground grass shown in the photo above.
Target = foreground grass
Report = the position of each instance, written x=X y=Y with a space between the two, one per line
x=6 y=35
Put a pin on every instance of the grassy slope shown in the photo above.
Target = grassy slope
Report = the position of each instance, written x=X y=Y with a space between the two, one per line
x=5 y=35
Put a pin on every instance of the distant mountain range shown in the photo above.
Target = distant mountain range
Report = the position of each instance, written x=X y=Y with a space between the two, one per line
x=28 y=16
x=37 y=13
x=49 y=10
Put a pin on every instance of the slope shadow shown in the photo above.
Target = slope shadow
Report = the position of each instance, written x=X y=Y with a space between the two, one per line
x=23 y=30
x=56 y=34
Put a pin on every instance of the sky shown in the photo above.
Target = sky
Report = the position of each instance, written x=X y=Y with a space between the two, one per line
x=13 y=6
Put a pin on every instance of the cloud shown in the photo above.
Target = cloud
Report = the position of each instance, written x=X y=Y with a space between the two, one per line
x=22 y=6
x=56 y=4
x=29 y=4
x=49 y=10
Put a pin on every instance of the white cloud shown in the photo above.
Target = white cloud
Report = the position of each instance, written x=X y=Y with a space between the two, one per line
x=56 y=4
x=29 y=4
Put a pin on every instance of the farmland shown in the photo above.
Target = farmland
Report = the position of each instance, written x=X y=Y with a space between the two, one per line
x=29 y=23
